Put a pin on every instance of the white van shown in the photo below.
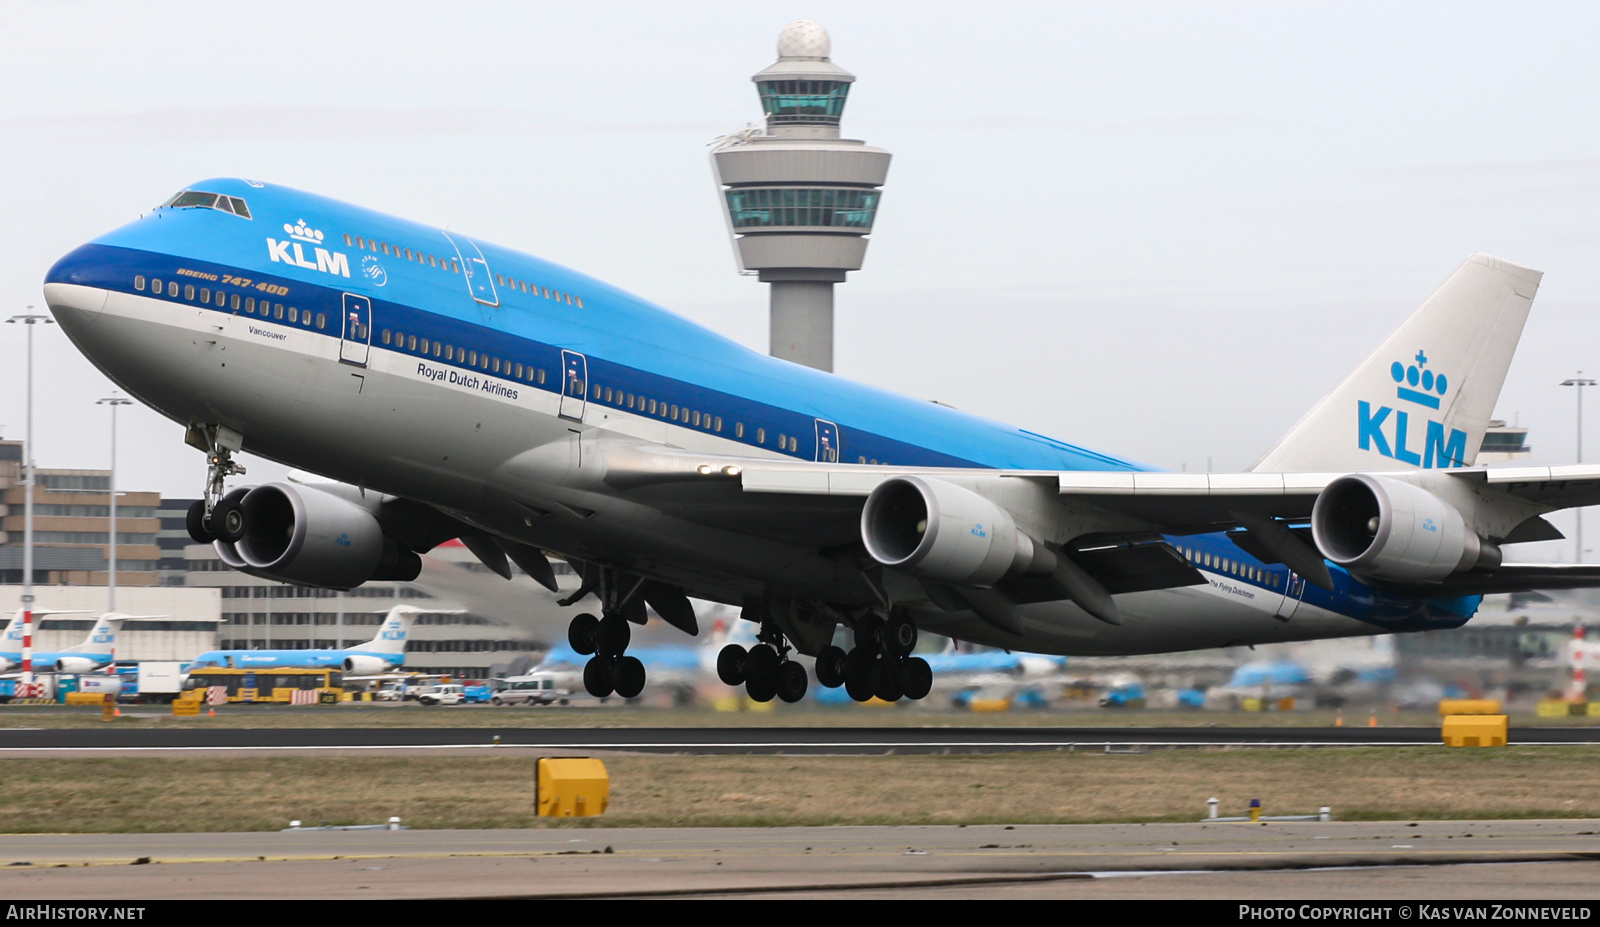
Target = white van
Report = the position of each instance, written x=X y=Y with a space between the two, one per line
x=533 y=689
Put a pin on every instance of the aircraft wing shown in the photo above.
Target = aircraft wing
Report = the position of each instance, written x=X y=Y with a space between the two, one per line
x=1122 y=514
x=1171 y=503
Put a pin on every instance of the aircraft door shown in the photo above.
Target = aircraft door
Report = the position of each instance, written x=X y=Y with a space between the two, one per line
x=480 y=283
x=356 y=338
x=828 y=448
x=1293 y=590
x=574 y=385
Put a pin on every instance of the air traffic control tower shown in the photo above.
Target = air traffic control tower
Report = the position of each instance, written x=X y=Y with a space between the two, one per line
x=800 y=200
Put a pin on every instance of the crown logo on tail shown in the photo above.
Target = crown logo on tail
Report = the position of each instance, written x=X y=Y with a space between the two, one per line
x=1411 y=377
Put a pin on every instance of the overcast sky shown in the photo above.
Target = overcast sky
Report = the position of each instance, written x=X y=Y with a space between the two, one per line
x=1162 y=230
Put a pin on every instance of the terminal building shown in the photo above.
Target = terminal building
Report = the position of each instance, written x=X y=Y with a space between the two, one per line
x=506 y=628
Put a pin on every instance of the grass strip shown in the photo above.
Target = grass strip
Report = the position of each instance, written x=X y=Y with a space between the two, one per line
x=229 y=793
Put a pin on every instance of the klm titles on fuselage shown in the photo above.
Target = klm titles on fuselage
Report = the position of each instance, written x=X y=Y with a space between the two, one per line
x=468 y=380
x=1390 y=431
x=290 y=251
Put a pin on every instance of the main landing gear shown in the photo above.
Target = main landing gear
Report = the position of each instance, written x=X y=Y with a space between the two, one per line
x=765 y=670
x=880 y=664
x=609 y=669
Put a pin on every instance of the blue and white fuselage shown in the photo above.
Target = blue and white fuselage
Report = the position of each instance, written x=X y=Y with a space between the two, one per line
x=514 y=395
x=385 y=652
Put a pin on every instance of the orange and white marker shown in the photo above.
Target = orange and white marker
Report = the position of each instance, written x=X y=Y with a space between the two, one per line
x=1579 y=689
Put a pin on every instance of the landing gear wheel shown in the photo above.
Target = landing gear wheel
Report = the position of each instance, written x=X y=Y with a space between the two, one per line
x=761 y=690
x=792 y=682
x=761 y=673
x=761 y=663
x=830 y=667
x=613 y=635
x=886 y=681
x=730 y=665
x=582 y=633
x=858 y=688
x=916 y=678
x=627 y=675
x=199 y=523
x=228 y=520
x=597 y=677
x=899 y=635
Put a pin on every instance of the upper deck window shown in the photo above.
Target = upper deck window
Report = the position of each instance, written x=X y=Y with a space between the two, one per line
x=198 y=199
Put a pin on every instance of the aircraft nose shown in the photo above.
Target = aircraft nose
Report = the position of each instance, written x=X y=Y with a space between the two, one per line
x=74 y=305
x=70 y=291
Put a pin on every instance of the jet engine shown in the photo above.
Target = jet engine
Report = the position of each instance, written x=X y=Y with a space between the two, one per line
x=942 y=532
x=364 y=666
x=75 y=665
x=301 y=535
x=1387 y=529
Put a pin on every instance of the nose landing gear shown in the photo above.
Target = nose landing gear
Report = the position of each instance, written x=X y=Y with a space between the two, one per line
x=219 y=443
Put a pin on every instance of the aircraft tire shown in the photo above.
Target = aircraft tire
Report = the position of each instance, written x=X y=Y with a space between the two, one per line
x=886 y=681
x=899 y=635
x=761 y=690
x=730 y=665
x=761 y=665
x=597 y=677
x=613 y=635
x=198 y=524
x=830 y=666
x=792 y=682
x=582 y=632
x=916 y=678
x=858 y=663
x=628 y=676
x=858 y=688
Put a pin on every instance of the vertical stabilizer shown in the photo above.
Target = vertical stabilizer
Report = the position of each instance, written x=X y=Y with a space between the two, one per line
x=1423 y=399
x=394 y=631
x=103 y=636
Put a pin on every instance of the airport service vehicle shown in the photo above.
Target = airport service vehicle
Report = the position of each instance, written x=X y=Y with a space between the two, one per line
x=450 y=388
x=532 y=689
x=451 y=694
x=158 y=680
x=383 y=653
x=275 y=684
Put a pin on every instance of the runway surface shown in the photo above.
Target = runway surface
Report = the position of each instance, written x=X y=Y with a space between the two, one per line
x=751 y=740
x=1499 y=860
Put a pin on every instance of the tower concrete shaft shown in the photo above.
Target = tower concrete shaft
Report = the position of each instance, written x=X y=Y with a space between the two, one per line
x=800 y=200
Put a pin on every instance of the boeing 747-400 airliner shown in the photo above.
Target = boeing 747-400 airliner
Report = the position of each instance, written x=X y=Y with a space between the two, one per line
x=462 y=390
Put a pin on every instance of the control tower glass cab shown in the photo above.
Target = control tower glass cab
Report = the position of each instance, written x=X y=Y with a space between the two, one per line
x=800 y=200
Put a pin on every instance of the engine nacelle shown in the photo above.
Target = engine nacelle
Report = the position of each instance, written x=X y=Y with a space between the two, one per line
x=300 y=535
x=75 y=665
x=1388 y=529
x=939 y=531
x=364 y=666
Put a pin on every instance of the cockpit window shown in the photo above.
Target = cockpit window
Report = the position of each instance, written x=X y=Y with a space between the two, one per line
x=197 y=199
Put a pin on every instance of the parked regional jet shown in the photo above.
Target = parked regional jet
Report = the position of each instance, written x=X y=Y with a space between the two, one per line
x=384 y=652
x=463 y=390
x=98 y=650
